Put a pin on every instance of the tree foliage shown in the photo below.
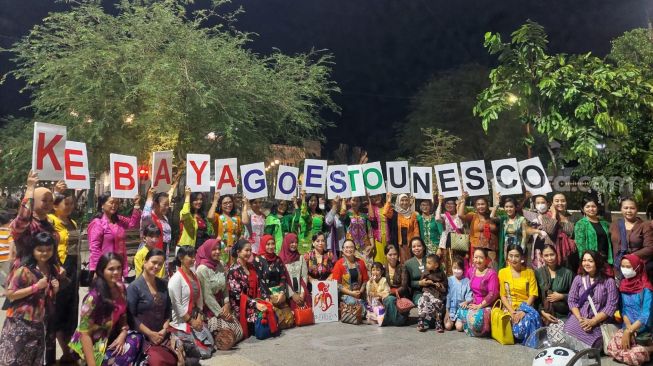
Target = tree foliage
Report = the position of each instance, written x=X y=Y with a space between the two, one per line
x=587 y=104
x=150 y=76
x=439 y=147
x=15 y=151
x=446 y=103
x=634 y=47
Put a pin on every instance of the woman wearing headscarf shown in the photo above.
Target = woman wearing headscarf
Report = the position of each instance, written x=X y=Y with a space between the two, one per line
x=636 y=296
x=297 y=269
x=402 y=223
x=213 y=281
x=211 y=274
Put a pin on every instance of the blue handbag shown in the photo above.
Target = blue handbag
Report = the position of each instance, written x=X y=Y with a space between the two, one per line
x=262 y=328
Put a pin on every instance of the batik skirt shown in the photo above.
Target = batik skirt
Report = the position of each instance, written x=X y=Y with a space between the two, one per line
x=22 y=342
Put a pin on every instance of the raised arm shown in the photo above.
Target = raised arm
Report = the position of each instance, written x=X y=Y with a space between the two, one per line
x=388 y=211
x=214 y=205
x=24 y=215
x=461 y=204
x=495 y=206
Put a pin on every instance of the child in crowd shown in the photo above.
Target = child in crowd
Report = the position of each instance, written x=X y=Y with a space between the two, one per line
x=434 y=293
x=459 y=294
x=151 y=236
x=377 y=290
x=32 y=291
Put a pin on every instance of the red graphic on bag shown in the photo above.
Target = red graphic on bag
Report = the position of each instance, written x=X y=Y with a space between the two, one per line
x=323 y=298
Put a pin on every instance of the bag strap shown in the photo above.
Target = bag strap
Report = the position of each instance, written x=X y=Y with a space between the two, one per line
x=589 y=298
x=452 y=223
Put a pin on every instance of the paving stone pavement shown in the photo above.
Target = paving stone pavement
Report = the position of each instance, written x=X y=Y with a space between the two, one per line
x=343 y=344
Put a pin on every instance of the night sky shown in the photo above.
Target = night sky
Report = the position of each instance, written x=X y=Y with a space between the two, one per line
x=385 y=50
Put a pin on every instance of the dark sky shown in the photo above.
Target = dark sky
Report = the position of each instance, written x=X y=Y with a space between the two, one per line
x=385 y=50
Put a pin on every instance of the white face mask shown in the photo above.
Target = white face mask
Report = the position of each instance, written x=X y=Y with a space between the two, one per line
x=321 y=206
x=628 y=272
x=541 y=207
x=457 y=272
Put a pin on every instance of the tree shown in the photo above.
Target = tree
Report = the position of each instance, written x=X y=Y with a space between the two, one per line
x=446 y=103
x=585 y=103
x=153 y=77
x=634 y=47
x=15 y=151
x=439 y=147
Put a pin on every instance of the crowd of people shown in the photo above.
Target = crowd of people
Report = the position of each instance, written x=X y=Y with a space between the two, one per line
x=239 y=272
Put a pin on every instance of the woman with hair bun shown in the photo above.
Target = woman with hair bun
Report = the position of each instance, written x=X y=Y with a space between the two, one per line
x=246 y=284
x=187 y=320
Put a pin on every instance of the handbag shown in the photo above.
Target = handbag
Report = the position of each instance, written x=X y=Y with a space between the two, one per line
x=303 y=316
x=262 y=327
x=403 y=304
x=351 y=314
x=286 y=317
x=608 y=330
x=277 y=295
x=203 y=342
x=85 y=275
x=500 y=325
x=158 y=355
x=457 y=240
x=226 y=333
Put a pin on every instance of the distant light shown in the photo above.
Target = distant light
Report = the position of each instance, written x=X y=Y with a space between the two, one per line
x=211 y=136
x=74 y=113
x=276 y=161
x=88 y=120
x=129 y=119
x=512 y=98
x=600 y=146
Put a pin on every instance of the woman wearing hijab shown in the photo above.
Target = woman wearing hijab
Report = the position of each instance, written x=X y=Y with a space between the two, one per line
x=636 y=294
x=211 y=274
x=213 y=281
x=297 y=270
x=402 y=223
x=276 y=279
